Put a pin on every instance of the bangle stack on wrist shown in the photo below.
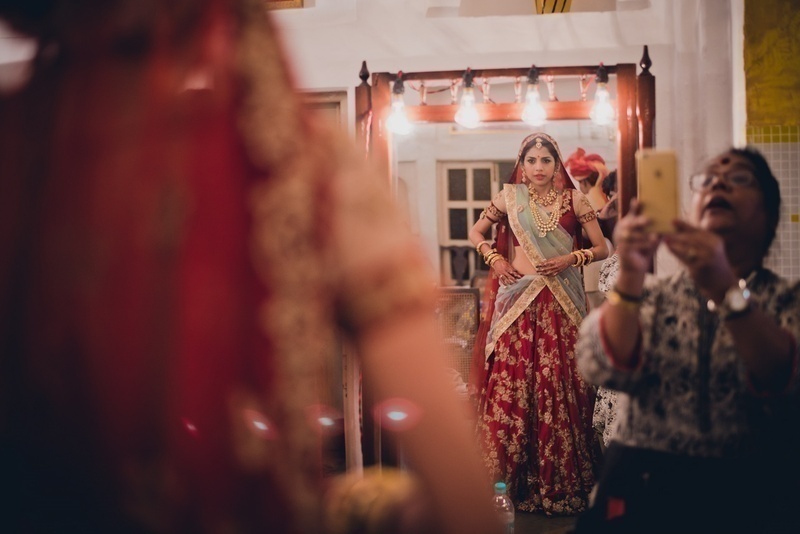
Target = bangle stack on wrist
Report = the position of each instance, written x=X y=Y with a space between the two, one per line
x=582 y=257
x=491 y=257
x=479 y=245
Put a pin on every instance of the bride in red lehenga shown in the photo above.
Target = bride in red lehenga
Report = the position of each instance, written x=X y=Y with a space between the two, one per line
x=535 y=410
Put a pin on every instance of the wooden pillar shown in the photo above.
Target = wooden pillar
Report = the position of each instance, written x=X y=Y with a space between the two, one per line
x=646 y=102
x=627 y=135
x=380 y=142
x=364 y=109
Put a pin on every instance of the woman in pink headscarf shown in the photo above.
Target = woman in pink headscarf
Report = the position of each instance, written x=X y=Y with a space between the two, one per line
x=535 y=410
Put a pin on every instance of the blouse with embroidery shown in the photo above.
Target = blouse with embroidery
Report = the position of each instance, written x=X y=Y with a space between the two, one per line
x=690 y=393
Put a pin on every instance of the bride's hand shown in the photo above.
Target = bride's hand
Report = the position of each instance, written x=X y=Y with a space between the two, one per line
x=505 y=272
x=553 y=266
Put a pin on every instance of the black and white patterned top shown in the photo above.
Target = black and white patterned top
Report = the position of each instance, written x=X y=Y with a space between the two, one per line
x=682 y=397
x=608 y=273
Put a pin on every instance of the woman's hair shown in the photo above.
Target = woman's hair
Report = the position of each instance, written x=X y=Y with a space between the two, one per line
x=770 y=189
x=609 y=184
x=545 y=143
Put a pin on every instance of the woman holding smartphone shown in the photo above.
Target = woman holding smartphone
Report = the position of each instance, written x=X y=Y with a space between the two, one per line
x=708 y=360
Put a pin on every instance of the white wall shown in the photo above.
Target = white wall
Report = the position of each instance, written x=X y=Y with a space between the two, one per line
x=690 y=44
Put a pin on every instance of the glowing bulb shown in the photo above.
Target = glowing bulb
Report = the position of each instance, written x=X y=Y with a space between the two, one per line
x=602 y=113
x=396 y=415
x=534 y=113
x=467 y=114
x=398 y=122
x=326 y=421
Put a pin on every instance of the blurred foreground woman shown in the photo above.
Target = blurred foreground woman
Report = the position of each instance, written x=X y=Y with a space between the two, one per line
x=179 y=246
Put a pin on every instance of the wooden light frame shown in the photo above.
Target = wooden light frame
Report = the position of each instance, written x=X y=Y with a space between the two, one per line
x=635 y=106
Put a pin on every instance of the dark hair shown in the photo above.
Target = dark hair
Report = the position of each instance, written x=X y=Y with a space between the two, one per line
x=609 y=184
x=769 y=186
x=545 y=143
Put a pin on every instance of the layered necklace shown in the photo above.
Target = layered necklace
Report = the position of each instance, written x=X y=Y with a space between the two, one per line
x=551 y=198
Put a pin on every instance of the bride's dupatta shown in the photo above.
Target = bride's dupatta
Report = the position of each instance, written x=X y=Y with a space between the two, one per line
x=567 y=286
x=508 y=303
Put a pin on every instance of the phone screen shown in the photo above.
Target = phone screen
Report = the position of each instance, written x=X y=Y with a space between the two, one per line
x=657 y=176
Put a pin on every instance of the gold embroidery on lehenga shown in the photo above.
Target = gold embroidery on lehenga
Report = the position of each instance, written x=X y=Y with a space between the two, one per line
x=512 y=453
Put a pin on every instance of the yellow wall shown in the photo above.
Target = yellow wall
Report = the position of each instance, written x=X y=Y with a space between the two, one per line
x=772 y=62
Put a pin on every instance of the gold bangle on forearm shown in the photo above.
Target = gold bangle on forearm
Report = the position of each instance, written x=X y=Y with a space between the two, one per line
x=479 y=245
x=578 y=258
x=491 y=252
x=587 y=252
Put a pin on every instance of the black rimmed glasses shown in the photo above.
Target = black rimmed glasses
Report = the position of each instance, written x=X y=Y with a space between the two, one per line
x=735 y=178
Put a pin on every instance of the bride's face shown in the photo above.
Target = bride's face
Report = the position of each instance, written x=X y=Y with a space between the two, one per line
x=539 y=166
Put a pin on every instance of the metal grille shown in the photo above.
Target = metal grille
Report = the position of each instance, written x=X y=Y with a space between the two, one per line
x=458 y=313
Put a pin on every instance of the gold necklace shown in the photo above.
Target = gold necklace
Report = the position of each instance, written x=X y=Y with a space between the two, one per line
x=552 y=222
x=546 y=200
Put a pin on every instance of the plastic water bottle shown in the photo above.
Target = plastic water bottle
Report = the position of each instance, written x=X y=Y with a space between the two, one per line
x=504 y=507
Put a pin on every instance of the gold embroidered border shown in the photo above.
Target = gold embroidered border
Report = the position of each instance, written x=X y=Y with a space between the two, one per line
x=536 y=285
x=535 y=257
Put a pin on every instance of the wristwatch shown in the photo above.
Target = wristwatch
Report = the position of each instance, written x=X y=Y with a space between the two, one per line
x=735 y=303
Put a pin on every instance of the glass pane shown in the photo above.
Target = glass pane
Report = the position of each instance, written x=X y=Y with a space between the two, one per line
x=457 y=184
x=458 y=223
x=476 y=214
x=504 y=168
x=481 y=184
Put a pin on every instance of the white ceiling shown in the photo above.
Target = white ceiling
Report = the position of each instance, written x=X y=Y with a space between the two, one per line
x=484 y=8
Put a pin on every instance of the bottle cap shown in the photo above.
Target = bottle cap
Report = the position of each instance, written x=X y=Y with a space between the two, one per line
x=500 y=487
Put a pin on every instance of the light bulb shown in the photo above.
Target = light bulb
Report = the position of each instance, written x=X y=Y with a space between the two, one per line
x=398 y=122
x=602 y=113
x=467 y=114
x=533 y=113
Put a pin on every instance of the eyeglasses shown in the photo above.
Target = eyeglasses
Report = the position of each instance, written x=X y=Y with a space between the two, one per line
x=735 y=178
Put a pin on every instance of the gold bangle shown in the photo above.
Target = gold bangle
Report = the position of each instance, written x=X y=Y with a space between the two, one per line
x=577 y=258
x=615 y=298
x=589 y=256
x=489 y=254
x=479 y=245
x=494 y=259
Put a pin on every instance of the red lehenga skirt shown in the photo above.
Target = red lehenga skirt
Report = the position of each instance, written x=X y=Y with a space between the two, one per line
x=535 y=418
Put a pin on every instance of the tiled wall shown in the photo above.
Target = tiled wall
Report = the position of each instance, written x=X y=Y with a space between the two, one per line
x=781 y=146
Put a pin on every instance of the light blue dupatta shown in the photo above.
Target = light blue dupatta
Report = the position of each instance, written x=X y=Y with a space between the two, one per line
x=567 y=286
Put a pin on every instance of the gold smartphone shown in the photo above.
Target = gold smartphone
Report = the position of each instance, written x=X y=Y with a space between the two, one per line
x=657 y=177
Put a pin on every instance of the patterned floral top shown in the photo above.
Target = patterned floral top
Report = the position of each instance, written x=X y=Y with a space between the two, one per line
x=690 y=394
x=605 y=405
x=608 y=273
